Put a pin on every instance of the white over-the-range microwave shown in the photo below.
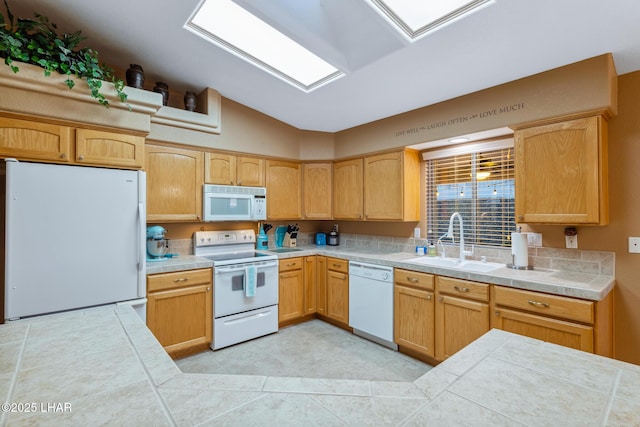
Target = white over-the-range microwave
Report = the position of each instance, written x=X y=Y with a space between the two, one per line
x=234 y=203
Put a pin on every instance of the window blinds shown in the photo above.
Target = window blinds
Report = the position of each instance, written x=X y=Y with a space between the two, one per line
x=477 y=184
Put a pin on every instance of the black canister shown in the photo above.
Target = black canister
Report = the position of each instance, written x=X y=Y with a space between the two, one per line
x=162 y=88
x=135 y=76
x=334 y=239
x=190 y=101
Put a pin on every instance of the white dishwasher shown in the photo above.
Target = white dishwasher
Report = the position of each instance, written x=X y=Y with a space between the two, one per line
x=371 y=302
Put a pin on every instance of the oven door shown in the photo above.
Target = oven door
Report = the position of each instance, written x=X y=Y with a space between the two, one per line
x=229 y=292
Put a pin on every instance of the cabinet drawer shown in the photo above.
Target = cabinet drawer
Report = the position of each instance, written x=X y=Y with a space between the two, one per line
x=290 y=264
x=179 y=279
x=336 y=264
x=414 y=279
x=463 y=288
x=545 y=304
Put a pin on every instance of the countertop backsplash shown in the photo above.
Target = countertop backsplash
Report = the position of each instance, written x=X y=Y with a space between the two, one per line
x=593 y=262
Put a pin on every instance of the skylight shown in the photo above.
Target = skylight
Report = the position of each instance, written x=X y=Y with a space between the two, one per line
x=417 y=18
x=233 y=28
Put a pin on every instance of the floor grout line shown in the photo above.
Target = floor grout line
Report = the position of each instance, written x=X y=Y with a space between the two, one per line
x=14 y=379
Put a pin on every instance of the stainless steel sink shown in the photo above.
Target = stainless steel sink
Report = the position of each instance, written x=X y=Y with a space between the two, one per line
x=470 y=265
x=284 y=250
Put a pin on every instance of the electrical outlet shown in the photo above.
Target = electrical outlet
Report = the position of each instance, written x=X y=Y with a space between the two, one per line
x=416 y=232
x=571 y=242
x=634 y=245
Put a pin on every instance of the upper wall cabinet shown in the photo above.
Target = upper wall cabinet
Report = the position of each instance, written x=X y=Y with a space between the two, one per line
x=283 y=190
x=45 y=142
x=227 y=169
x=562 y=173
x=316 y=190
x=347 y=189
x=174 y=184
x=392 y=186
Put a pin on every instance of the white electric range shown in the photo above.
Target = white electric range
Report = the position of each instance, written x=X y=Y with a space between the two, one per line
x=245 y=283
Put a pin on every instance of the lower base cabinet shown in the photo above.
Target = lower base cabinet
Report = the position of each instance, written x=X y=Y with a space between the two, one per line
x=414 y=311
x=291 y=290
x=462 y=314
x=337 y=285
x=565 y=321
x=180 y=310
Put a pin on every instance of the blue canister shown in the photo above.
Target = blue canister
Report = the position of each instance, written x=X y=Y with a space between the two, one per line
x=321 y=239
x=262 y=241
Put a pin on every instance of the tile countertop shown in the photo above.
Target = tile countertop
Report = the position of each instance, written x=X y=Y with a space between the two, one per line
x=559 y=282
x=102 y=366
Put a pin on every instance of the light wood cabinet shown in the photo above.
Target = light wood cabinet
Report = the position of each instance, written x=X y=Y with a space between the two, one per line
x=229 y=169
x=392 y=186
x=348 y=189
x=562 y=173
x=461 y=315
x=174 y=184
x=310 y=273
x=291 y=290
x=321 y=285
x=570 y=322
x=414 y=311
x=283 y=190
x=45 y=142
x=316 y=190
x=338 y=290
x=179 y=310
x=99 y=148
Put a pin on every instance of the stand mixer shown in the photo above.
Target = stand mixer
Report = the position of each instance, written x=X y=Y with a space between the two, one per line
x=157 y=245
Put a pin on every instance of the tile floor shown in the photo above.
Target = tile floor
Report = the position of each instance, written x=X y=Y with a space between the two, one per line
x=313 y=349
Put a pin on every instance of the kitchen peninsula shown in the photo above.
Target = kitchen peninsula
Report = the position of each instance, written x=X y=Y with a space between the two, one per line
x=103 y=365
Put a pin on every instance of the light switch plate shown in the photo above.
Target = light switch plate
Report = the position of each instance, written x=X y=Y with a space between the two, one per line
x=634 y=245
x=416 y=232
x=534 y=239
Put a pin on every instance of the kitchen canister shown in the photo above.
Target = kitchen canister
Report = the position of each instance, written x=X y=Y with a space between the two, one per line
x=321 y=239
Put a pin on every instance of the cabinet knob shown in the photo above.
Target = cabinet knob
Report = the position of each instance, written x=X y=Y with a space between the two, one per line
x=80 y=158
x=520 y=217
x=180 y=280
x=412 y=279
x=239 y=182
x=208 y=288
x=429 y=297
x=497 y=313
x=63 y=155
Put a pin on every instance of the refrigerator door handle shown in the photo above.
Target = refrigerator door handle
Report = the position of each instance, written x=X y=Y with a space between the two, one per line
x=142 y=250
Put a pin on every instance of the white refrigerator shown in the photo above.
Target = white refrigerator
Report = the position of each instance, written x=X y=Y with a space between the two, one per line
x=74 y=238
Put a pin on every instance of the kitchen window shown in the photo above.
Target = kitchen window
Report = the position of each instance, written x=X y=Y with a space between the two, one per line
x=476 y=180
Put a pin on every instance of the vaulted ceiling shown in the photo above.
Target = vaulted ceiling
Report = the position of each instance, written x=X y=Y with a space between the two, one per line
x=385 y=73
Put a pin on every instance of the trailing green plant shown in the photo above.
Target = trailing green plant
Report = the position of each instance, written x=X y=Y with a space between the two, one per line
x=35 y=41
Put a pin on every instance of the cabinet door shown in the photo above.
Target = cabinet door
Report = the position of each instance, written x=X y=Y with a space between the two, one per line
x=338 y=296
x=316 y=189
x=458 y=322
x=414 y=314
x=561 y=173
x=383 y=189
x=310 y=285
x=283 y=190
x=26 y=140
x=98 y=148
x=348 y=189
x=556 y=331
x=219 y=169
x=181 y=319
x=321 y=285
x=174 y=184
x=250 y=171
x=291 y=295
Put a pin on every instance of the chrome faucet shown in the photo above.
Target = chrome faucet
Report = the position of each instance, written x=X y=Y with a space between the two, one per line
x=450 y=233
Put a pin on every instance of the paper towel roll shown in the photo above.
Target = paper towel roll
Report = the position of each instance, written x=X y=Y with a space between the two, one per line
x=519 y=249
